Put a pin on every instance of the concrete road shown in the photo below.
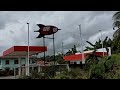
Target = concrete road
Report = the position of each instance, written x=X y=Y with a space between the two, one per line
x=10 y=77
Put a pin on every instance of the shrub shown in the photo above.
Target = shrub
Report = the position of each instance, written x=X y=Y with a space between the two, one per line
x=74 y=74
x=24 y=77
x=107 y=68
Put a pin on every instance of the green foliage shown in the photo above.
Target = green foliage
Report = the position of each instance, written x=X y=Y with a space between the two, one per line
x=88 y=48
x=49 y=58
x=107 y=68
x=116 y=18
x=97 y=69
x=74 y=74
x=98 y=44
x=90 y=61
x=69 y=52
x=24 y=77
x=60 y=59
x=49 y=71
x=34 y=75
x=74 y=50
x=116 y=35
x=113 y=74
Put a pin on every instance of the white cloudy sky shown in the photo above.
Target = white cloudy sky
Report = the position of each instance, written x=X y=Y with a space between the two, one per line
x=13 y=27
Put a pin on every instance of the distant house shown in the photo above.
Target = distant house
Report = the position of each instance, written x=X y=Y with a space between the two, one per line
x=77 y=57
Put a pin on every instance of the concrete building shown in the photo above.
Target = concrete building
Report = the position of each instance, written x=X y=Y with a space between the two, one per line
x=77 y=57
x=16 y=57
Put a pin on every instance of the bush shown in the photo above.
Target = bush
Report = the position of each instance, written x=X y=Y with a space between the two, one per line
x=34 y=75
x=107 y=68
x=50 y=71
x=25 y=77
x=3 y=73
x=6 y=73
x=74 y=74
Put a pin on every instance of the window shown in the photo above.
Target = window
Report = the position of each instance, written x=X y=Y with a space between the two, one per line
x=7 y=62
x=33 y=61
x=15 y=61
x=29 y=61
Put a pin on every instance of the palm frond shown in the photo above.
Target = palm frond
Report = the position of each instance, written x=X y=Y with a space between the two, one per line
x=90 y=43
x=99 y=41
x=106 y=39
x=105 y=42
x=116 y=33
x=116 y=16
x=88 y=48
x=116 y=24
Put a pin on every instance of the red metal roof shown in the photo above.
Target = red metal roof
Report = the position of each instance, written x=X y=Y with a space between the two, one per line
x=76 y=57
x=22 y=50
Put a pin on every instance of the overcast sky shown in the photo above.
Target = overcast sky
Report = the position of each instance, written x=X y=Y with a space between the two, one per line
x=13 y=27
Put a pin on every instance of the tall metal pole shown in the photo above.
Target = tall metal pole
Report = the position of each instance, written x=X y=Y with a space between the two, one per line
x=54 y=48
x=102 y=42
x=83 y=60
x=28 y=53
x=44 y=48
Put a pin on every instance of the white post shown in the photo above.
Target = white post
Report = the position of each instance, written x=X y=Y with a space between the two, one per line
x=28 y=53
x=102 y=42
x=14 y=73
x=68 y=67
x=26 y=65
x=109 y=53
x=19 y=66
x=83 y=60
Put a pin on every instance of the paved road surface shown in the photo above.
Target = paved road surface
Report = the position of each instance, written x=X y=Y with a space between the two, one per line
x=10 y=77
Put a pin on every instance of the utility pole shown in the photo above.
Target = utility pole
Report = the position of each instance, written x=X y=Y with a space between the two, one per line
x=54 y=48
x=27 y=66
x=44 y=48
x=83 y=60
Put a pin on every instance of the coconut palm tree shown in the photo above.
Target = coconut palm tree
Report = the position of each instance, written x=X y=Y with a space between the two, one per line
x=116 y=19
x=116 y=35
